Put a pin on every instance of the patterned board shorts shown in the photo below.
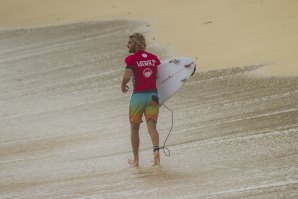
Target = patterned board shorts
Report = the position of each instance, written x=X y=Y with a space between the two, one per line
x=143 y=103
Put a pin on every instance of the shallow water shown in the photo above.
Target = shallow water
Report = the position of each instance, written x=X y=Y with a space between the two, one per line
x=64 y=131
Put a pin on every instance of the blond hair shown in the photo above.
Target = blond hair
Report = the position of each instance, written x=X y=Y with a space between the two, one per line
x=140 y=40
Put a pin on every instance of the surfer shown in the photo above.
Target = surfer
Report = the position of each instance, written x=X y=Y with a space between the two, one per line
x=141 y=67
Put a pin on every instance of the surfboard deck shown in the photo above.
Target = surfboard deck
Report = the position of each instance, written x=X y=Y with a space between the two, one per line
x=172 y=75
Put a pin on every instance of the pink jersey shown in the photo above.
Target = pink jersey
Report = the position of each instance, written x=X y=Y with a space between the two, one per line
x=144 y=66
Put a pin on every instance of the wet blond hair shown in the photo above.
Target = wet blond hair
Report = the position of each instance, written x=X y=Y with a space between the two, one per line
x=139 y=40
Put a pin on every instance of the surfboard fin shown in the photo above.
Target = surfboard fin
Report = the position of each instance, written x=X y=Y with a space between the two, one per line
x=175 y=61
x=188 y=65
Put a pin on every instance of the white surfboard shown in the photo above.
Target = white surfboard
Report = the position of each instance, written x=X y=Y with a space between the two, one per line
x=172 y=75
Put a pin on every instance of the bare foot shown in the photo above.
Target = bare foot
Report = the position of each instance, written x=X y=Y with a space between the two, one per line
x=133 y=163
x=156 y=158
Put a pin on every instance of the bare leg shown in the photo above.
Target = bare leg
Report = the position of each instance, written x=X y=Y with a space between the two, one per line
x=151 y=125
x=135 y=143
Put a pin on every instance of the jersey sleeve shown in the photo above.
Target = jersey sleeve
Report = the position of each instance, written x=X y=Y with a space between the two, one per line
x=129 y=62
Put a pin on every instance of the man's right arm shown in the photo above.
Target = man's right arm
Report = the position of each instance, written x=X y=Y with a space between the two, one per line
x=126 y=78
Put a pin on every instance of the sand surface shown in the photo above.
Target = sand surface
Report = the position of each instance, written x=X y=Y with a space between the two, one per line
x=218 y=33
x=65 y=133
x=64 y=130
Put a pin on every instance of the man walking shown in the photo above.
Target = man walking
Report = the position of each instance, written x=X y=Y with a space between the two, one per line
x=141 y=67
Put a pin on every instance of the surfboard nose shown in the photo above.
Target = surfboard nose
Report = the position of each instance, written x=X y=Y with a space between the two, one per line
x=194 y=70
x=188 y=65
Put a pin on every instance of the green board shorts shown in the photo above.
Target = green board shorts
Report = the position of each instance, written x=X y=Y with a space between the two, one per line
x=143 y=103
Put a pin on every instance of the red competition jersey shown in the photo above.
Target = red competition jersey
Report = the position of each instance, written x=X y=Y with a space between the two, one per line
x=144 y=66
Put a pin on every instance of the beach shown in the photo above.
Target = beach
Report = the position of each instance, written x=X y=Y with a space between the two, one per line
x=219 y=34
x=64 y=129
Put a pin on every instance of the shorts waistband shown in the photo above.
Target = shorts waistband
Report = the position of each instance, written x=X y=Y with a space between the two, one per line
x=149 y=91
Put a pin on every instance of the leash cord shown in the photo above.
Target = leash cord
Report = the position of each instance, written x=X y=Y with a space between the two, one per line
x=164 y=148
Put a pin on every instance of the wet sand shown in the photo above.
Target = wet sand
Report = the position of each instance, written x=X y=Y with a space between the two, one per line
x=64 y=131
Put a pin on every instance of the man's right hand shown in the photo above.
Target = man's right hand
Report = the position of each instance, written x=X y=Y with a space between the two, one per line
x=124 y=88
x=126 y=78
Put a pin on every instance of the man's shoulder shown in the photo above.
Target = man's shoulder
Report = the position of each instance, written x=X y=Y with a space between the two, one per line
x=130 y=59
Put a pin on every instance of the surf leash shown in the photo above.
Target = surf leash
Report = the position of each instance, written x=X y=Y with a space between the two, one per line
x=166 y=151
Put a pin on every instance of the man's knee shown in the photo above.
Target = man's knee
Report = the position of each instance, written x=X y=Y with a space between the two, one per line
x=135 y=126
